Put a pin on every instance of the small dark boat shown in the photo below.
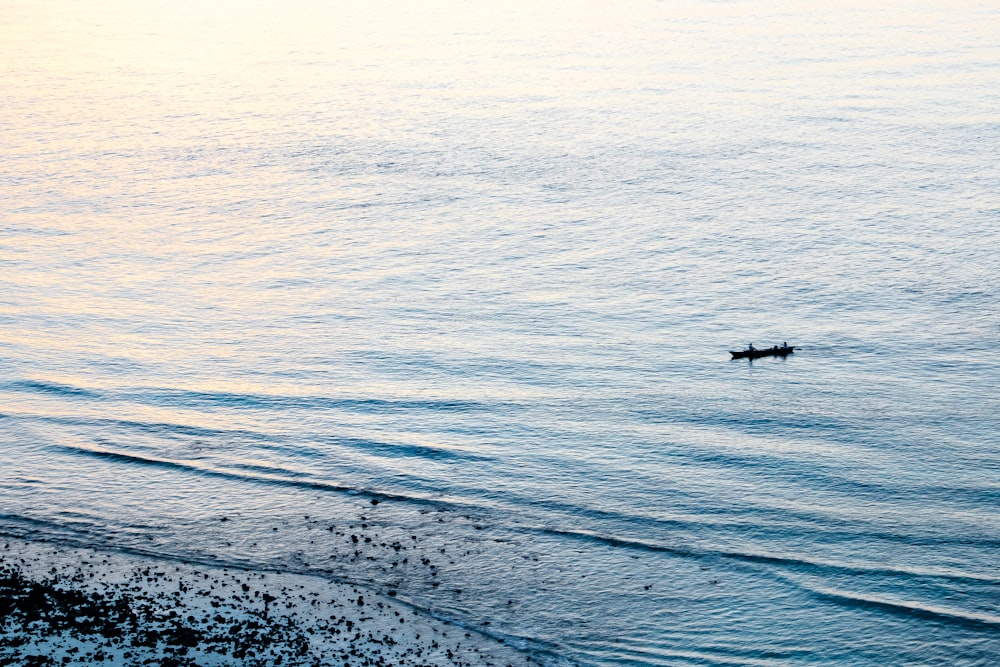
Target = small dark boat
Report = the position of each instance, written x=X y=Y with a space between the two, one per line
x=755 y=353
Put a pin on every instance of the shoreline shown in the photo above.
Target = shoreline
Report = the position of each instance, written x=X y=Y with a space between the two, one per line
x=64 y=605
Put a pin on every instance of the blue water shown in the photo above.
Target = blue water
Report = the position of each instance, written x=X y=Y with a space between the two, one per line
x=262 y=265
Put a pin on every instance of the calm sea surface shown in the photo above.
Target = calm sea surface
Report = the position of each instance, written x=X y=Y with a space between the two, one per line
x=263 y=264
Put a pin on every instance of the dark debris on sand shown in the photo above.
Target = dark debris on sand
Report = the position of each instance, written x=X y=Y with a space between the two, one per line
x=75 y=607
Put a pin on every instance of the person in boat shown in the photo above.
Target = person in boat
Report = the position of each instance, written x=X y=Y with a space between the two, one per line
x=750 y=347
x=784 y=345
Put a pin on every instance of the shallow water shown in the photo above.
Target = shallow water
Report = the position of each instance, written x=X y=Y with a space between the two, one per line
x=483 y=264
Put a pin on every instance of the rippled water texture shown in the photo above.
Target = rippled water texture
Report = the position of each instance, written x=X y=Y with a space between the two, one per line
x=464 y=275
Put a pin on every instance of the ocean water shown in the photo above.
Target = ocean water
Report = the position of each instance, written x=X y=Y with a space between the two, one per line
x=462 y=277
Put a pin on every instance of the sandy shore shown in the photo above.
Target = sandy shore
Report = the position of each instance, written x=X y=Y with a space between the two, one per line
x=71 y=606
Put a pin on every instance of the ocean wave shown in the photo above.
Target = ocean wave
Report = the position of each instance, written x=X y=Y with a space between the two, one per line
x=294 y=479
x=51 y=388
x=906 y=608
x=186 y=398
x=194 y=398
x=300 y=448
x=158 y=428
x=398 y=450
x=786 y=562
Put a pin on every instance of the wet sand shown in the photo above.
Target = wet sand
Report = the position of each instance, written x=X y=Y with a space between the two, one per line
x=70 y=606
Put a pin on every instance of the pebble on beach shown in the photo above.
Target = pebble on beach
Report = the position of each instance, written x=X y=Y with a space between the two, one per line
x=71 y=606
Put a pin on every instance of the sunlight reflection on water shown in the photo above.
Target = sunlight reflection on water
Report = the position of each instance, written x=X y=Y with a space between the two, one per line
x=484 y=262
